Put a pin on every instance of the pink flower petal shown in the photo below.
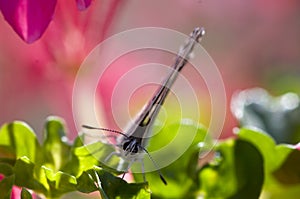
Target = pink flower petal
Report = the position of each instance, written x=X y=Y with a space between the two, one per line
x=297 y=146
x=29 y=18
x=83 y=4
x=15 y=192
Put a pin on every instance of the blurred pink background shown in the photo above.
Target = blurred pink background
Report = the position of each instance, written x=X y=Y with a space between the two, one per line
x=254 y=43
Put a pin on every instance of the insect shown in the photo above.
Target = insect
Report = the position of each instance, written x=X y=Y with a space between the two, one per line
x=131 y=143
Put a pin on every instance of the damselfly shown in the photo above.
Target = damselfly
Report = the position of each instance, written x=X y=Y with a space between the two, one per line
x=132 y=142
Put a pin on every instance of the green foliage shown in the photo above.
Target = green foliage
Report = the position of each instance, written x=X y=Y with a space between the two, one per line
x=237 y=171
x=53 y=168
x=182 y=174
x=248 y=166
x=25 y=194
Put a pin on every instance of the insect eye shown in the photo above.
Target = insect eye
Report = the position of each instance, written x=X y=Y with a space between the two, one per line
x=125 y=145
x=128 y=146
x=135 y=149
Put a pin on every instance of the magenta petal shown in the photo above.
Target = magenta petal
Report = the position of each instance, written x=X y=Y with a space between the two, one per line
x=83 y=4
x=29 y=18
x=297 y=146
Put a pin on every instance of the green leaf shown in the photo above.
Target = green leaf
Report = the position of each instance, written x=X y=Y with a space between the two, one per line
x=249 y=170
x=18 y=138
x=52 y=168
x=95 y=154
x=6 y=185
x=110 y=186
x=7 y=155
x=24 y=171
x=264 y=143
x=114 y=187
x=6 y=169
x=78 y=142
x=274 y=163
x=217 y=179
x=86 y=183
x=182 y=141
x=289 y=172
x=273 y=154
x=56 y=150
x=236 y=172
x=72 y=166
x=25 y=194
x=59 y=182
